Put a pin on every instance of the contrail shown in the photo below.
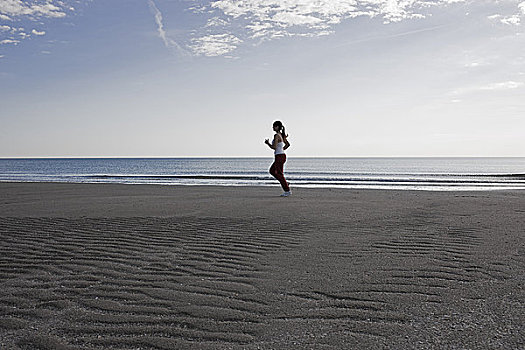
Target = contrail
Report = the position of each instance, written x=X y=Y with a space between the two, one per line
x=392 y=35
x=168 y=42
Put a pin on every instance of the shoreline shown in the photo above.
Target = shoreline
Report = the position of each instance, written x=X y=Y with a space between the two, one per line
x=302 y=187
x=270 y=156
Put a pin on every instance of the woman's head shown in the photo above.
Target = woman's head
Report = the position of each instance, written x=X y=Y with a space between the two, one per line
x=279 y=127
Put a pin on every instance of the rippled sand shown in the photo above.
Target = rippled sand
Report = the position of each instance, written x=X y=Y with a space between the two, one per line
x=169 y=267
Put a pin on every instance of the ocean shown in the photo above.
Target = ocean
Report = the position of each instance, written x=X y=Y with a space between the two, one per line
x=428 y=174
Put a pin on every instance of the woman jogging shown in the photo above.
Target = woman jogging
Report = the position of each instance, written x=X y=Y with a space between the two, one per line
x=279 y=144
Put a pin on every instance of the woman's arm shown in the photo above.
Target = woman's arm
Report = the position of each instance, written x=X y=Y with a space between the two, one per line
x=271 y=145
x=286 y=143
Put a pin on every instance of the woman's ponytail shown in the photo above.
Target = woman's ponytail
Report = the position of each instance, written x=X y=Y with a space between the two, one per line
x=281 y=129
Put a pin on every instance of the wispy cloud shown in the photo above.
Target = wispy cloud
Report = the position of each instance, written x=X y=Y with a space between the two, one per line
x=215 y=44
x=319 y=14
x=509 y=20
x=36 y=32
x=506 y=85
x=255 y=21
x=260 y=20
x=33 y=11
x=9 y=41
x=410 y=32
x=513 y=19
x=14 y=8
x=13 y=35
x=168 y=42
x=500 y=86
x=473 y=64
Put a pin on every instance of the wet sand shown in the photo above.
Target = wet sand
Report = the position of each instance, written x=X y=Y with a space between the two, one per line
x=103 y=266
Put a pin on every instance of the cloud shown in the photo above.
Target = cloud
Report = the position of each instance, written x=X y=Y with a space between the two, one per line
x=501 y=86
x=255 y=21
x=9 y=41
x=514 y=19
x=36 y=32
x=321 y=13
x=16 y=8
x=507 y=85
x=29 y=11
x=215 y=44
x=216 y=22
x=168 y=42
x=509 y=20
x=260 y=20
x=472 y=64
x=271 y=19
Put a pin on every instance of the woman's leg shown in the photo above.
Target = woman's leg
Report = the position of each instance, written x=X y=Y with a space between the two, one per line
x=272 y=170
x=277 y=170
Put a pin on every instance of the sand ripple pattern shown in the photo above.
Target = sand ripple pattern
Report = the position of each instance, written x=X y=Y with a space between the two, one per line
x=419 y=281
x=415 y=278
x=132 y=283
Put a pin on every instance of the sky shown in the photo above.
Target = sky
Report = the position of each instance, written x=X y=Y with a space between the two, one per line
x=191 y=78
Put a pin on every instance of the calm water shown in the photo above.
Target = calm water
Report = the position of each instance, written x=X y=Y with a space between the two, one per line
x=377 y=173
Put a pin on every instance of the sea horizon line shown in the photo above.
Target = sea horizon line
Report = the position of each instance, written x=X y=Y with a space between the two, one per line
x=255 y=157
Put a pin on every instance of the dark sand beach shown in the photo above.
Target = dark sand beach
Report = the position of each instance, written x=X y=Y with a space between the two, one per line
x=103 y=266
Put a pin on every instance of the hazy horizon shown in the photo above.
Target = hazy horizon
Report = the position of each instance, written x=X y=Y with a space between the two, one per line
x=269 y=155
x=348 y=78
